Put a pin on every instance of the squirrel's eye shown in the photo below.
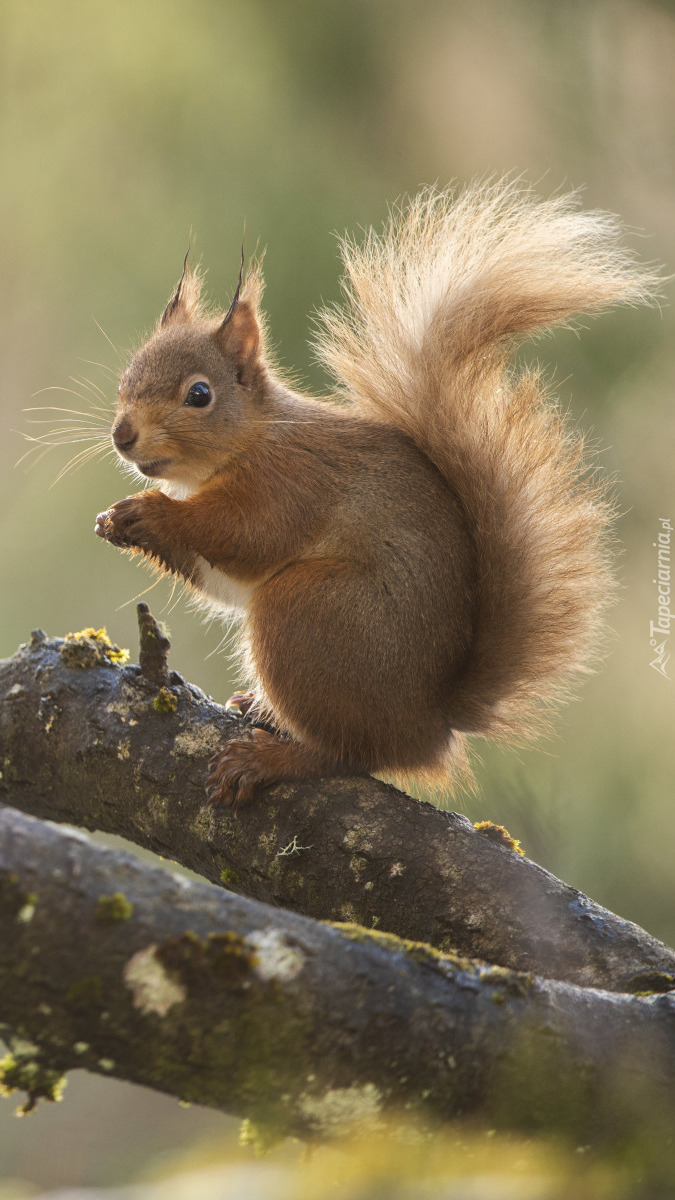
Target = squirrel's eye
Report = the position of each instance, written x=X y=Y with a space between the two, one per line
x=199 y=395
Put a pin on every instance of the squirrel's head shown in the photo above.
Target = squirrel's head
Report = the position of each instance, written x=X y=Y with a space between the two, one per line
x=190 y=398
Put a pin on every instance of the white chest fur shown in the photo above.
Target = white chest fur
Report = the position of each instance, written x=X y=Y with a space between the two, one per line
x=224 y=593
x=177 y=491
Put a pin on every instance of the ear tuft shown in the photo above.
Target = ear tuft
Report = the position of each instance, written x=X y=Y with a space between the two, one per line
x=238 y=339
x=184 y=303
x=239 y=334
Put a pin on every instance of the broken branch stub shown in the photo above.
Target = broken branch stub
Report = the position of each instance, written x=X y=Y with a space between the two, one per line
x=154 y=648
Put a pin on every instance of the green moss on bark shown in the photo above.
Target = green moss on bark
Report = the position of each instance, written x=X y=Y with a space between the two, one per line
x=114 y=908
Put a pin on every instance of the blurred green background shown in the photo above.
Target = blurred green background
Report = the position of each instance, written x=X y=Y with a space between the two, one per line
x=125 y=128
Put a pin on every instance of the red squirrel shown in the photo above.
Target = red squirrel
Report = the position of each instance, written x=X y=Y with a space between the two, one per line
x=424 y=555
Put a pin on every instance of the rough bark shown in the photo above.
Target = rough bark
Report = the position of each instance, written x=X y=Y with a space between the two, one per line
x=119 y=967
x=86 y=740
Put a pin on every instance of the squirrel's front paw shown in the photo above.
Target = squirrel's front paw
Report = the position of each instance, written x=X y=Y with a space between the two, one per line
x=123 y=524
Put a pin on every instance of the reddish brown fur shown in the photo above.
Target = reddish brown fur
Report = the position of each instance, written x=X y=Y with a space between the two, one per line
x=423 y=561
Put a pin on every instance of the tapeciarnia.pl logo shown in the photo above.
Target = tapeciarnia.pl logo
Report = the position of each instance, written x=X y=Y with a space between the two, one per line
x=659 y=630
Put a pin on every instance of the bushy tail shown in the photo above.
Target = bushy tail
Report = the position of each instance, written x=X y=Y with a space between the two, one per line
x=434 y=306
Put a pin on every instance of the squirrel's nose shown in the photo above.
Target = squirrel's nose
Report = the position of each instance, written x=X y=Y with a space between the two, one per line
x=124 y=435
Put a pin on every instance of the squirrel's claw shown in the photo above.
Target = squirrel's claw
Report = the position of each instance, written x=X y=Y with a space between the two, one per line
x=241 y=704
x=122 y=524
x=103 y=526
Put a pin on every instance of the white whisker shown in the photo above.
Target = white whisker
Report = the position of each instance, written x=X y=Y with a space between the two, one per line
x=68 y=422
x=108 y=340
x=78 y=460
x=169 y=607
x=93 y=397
x=104 y=367
x=53 y=387
x=217 y=649
x=63 y=437
x=39 y=450
x=137 y=597
x=54 y=408
x=95 y=387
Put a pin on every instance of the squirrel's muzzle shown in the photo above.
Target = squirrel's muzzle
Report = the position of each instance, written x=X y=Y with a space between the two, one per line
x=124 y=435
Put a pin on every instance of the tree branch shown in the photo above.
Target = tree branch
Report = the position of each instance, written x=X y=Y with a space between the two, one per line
x=86 y=740
x=121 y=968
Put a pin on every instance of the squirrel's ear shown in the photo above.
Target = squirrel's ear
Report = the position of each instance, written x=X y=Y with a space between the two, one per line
x=238 y=338
x=184 y=304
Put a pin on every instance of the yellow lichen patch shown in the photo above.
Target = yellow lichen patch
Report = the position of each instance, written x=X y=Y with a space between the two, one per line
x=268 y=842
x=91 y=648
x=420 y=951
x=24 y=1073
x=349 y=916
x=497 y=833
x=357 y=865
x=258 y=1137
x=165 y=701
x=651 y=983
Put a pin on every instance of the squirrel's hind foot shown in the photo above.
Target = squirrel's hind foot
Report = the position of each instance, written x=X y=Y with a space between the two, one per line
x=259 y=759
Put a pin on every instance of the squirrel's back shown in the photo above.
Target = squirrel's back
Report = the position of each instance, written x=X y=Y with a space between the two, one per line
x=434 y=306
x=428 y=561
